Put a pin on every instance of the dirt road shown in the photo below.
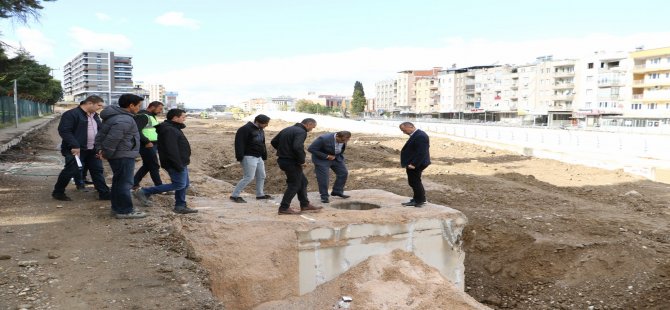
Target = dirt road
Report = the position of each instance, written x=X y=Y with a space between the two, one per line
x=541 y=234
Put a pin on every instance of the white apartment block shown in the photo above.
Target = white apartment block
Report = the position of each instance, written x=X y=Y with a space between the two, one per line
x=385 y=97
x=104 y=74
x=651 y=84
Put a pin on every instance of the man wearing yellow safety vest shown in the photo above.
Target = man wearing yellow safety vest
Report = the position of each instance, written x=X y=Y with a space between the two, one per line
x=146 y=123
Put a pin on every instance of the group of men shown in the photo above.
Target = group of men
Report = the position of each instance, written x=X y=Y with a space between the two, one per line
x=327 y=154
x=119 y=134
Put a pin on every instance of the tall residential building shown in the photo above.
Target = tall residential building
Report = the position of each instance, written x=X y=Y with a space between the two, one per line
x=427 y=93
x=385 y=100
x=170 y=101
x=651 y=83
x=405 y=85
x=100 y=73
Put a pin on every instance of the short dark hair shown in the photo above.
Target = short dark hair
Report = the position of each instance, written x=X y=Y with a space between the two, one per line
x=93 y=99
x=174 y=113
x=308 y=121
x=262 y=119
x=344 y=134
x=154 y=104
x=127 y=99
x=406 y=124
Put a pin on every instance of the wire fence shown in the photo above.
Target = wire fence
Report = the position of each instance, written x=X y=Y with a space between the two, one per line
x=27 y=110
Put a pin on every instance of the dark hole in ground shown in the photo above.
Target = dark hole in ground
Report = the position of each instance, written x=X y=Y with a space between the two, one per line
x=356 y=206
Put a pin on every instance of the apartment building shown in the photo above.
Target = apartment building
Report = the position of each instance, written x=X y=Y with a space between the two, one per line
x=651 y=85
x=385 y=99
x=405 y=86
x=170 y=101
x=426 y=91
x=100 y=73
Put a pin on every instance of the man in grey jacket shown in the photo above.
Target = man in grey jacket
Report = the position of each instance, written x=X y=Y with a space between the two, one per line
x=118 y=141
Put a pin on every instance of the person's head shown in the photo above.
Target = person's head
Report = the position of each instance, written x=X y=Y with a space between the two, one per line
x=407 y=128
x=342 y=136
x=309 y=123
x=176 y=115
x=91 y=104
x=261 y=121
x=155 y=107
x=131 y=102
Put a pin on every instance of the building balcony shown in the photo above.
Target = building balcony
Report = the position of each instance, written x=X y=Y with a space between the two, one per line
x=564 y=85
x=610 y=83
x=651 y=68
x=650 y=83
x=610 y=97
x=652 y=96
x=562 y=97
x=514 y=86
x=564 y=73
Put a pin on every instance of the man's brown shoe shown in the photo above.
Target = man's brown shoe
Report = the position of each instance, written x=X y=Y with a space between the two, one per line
x=310 y=208
x=288 y=211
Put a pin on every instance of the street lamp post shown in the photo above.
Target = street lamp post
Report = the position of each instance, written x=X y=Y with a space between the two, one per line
x=16 y=105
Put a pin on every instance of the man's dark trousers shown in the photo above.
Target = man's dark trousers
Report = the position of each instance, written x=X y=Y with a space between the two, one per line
x=122 y=182
x=296 y=183
x=71 y=170
x=322 y=172
x=149 y=165
x=414 y=180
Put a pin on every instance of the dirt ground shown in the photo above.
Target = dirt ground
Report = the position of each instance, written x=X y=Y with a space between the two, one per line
x=541 y=234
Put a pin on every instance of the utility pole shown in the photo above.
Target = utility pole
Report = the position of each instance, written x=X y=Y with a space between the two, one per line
x=16 y=105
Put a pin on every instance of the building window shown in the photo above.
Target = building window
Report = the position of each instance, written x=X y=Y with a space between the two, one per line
x=652 y=106
x=636 y=106
x=590 y=66
x=589 y=78
x=655 y=61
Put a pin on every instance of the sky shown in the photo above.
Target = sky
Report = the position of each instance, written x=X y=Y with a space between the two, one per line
x=225 y=52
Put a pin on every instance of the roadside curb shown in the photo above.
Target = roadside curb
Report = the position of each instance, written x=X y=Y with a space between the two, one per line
x=16 y=140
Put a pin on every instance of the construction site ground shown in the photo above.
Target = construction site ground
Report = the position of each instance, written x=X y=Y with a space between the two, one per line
x=541 y=234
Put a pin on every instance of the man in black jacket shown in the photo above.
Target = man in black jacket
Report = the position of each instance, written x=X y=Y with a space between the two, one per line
x=251 y=152
x=290 y=146
x=175 y=156
x=78 y=128
x=146 y=123
x=415 y=157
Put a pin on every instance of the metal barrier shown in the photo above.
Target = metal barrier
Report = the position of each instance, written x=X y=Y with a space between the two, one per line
x=27 y=109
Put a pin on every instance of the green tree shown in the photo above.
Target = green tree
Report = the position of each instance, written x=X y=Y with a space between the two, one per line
x=33 y=79
x=304 y=105
x=21 y=10
x=358 y=99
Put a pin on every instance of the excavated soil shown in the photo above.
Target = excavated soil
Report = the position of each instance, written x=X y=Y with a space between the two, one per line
x=541 y=234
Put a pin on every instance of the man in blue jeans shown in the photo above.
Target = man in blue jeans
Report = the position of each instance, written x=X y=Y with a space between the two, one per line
x=251 y=152
x=175 y=156
x=118 y=141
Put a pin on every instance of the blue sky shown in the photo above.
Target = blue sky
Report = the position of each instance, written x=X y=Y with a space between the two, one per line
x=223 y=52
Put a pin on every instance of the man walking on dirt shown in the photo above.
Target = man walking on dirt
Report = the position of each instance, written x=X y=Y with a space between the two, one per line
x=146 y=123
x=175 y=156
x=118 y=141
x=78 y=128
x=290 y=146
x=328 y=153
x=415 y=157
x=251 y=152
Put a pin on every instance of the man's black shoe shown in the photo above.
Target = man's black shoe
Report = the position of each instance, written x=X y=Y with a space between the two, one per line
x=61 y=197
x=263 y=197
x=411 y=201
x=238 y=199
x=325 y=200
x=343 y=196
x=82 y=188
x=105 y=196
x=415 y=204
x=184 y=210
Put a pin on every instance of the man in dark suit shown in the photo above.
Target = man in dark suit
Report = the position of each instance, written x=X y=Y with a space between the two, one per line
x=328 y=153
x=290 y=146
x=415 y=157
x=78 y=128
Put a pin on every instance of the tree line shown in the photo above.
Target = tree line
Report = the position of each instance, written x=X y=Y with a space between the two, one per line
x=34 y=81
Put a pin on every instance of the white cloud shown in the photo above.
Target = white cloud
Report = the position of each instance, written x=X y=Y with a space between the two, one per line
x=103 y=17
x=34 y=41
x=85 y=39
x=335 y=73
x=177 y=19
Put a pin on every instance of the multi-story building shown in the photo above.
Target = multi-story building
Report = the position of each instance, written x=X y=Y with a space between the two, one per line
x=427 y=94
x=170 y=101
x=405 y=85
x=98 y=73
x=385 y=100
x=651 y=86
